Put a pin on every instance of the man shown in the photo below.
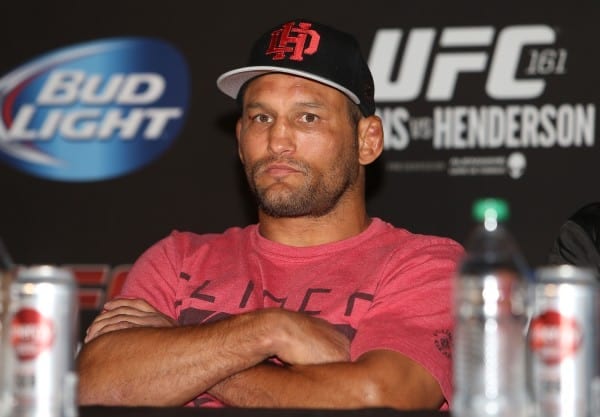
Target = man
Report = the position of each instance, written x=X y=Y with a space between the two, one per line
x=317 y=305
x=578 y=239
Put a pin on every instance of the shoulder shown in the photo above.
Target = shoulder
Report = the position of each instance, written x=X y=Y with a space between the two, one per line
x=410 y=243
x=419 y=262
x=187 y=241
x=180 y=249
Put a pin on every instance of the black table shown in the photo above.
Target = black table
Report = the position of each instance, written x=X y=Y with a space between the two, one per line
x=102 y=411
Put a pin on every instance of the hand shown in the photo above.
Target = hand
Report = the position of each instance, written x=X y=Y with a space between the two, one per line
x=305 y=340
x=126 y=313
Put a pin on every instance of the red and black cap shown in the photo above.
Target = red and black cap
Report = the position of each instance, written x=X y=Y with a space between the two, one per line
x=311 y=50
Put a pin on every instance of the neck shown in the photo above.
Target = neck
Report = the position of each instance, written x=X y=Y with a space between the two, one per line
x=342 y=223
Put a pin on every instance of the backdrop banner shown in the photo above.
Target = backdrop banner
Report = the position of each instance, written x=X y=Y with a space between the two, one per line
x=113 y=133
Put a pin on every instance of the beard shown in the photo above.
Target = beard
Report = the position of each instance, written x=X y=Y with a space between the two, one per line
x=317 y=195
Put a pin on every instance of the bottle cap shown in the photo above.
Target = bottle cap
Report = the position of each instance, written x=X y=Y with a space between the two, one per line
x=490 y=209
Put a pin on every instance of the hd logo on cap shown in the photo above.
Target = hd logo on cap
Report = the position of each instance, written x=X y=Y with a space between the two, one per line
x=280 y=40
x=93 y=111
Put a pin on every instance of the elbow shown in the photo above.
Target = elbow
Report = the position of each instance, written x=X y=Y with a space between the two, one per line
x=94 y=385
x=85 y=365
x=374 y=393
x=108 y=378
x=371 y=394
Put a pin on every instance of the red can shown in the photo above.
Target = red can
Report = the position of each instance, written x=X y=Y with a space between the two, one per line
x=39 y=353
x=562 y=340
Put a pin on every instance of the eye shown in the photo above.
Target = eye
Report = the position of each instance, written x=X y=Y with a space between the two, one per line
x=262 y=118
x=309 y=118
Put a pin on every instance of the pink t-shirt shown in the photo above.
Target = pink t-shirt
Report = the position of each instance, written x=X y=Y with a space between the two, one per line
x=385 y=288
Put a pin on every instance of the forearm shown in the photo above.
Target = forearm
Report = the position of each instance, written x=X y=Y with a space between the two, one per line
x=378 y=379
x=310 y=386
x=184 y=361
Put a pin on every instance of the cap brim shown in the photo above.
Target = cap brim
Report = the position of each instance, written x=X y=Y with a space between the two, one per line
x=231 y=81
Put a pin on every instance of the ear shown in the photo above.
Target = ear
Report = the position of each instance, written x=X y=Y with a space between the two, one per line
x=238 y=130
x=370 y=139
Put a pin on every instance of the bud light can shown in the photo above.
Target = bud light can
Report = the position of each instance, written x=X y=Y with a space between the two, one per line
x=562 y=340
x=39 y=357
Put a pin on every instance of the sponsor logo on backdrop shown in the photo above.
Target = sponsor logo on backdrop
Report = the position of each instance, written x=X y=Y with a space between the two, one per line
x=93 y=111
x=484 y=93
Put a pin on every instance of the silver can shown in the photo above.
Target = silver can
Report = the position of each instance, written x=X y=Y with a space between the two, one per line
x=562 y=340
x=39 y=358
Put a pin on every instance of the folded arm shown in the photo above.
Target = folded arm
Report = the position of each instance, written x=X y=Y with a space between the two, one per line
x=134 y=355
x=380 y=378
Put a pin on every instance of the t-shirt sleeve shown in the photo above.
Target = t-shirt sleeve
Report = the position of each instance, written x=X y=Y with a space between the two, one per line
x=412 y=308
x=154 y=275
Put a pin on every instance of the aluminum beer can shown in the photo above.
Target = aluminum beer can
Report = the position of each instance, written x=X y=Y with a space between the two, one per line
x=40 y=356
x=562 y=341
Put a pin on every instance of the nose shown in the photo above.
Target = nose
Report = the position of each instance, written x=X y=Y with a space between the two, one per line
x=281 y=140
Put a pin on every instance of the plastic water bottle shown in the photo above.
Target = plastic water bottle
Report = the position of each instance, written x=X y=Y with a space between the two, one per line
x=490 y=311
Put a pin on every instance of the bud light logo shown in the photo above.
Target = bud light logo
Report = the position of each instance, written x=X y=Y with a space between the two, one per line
x=93 y=111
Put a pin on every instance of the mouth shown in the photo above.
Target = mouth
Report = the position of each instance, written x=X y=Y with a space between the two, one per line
x=279 y=170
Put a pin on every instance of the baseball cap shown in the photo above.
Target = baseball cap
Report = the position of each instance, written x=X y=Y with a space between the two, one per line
x=312 y=50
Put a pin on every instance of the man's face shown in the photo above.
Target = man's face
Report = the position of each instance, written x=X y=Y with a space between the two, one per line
x=298 y=145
